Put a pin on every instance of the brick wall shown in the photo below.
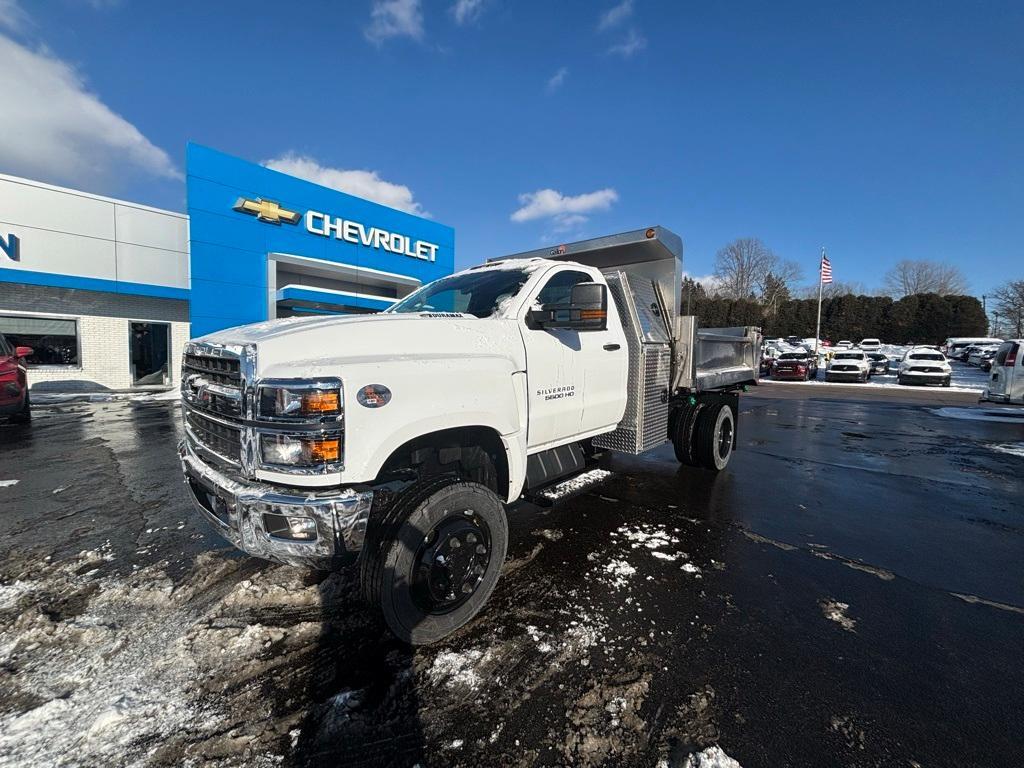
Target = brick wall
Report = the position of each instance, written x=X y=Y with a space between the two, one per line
x=104 y=355
x=103 y=322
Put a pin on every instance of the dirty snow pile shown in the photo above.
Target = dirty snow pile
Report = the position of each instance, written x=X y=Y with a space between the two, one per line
x=458 y=670
x=106 y=668
x=835 y=611
x=618 y=572
x=1014 y=449
x=578 y=483
x=712 y=757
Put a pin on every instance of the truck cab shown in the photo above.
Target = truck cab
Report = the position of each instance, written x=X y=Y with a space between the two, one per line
x=400 y=441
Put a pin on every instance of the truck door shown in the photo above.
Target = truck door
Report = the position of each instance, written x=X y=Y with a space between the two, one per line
x=576 y=379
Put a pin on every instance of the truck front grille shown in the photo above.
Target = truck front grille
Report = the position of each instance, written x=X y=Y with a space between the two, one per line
x=215 y=436
x=219 y=370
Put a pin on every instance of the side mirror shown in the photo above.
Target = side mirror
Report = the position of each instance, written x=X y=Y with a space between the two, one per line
x=23 y=351
x=587 y=310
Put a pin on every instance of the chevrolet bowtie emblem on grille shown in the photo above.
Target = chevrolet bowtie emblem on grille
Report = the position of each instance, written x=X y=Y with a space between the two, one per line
x=266 y=210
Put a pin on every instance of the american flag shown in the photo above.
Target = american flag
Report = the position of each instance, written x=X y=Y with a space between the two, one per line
x=826 y=269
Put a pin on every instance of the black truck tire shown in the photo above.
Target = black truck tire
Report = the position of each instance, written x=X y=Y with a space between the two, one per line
x=434 y=558
x=683 y=434
x=713 y=438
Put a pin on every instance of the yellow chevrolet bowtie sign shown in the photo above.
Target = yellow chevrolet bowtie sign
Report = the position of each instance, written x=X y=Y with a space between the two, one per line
x=266 y=210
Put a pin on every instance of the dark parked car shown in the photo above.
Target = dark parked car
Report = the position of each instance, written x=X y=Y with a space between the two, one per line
x=795 y=365
x=13 y=381
x=879 y=362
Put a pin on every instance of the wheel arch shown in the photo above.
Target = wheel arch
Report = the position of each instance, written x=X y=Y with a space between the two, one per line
x=454 y=449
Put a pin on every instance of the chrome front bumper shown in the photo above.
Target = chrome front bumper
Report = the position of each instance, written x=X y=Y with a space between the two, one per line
x=240 y=512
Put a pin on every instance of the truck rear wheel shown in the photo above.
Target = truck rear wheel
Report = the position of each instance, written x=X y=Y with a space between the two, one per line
x=684 y=434
x=714 y=437
x=435 y=557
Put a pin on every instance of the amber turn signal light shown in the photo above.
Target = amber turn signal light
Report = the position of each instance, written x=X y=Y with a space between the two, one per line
x=320 y=402
x=325 y=450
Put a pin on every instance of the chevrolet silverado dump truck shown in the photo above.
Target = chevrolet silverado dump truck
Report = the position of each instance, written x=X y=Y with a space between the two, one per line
x=400 y=441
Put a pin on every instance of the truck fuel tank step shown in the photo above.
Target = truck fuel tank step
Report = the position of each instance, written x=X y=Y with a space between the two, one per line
x=567 y=488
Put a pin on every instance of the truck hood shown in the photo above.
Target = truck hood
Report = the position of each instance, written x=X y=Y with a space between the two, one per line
x=320 y=345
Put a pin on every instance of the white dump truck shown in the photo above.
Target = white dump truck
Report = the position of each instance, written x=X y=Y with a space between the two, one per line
x=400 y=441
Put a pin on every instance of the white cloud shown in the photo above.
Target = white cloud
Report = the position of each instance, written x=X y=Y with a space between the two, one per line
x=55 y=129
x=558 y=79
x=467 y=11
x=394 y=18
x=633 y=43
x=366 y=184
x=710 y=283
x=616 y=15
x=566 y=210
x=13 y=16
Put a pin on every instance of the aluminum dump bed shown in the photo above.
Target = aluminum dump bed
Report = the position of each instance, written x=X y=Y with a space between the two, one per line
x=644 y=270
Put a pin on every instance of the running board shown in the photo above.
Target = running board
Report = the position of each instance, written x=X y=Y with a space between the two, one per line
x=567 y=489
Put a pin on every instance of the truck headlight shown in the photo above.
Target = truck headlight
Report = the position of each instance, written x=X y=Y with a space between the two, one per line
x=301 y=401
x=300 y=451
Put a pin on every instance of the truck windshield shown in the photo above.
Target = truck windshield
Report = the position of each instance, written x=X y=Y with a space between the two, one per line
x=472 y=293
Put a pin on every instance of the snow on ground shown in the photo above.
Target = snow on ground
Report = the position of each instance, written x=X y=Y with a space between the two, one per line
x=835 y=611
x=1014 y=449
x=458 y=670
x=884 y=382
x=620 y=572
x=109 y=669
x=964 y=379
x=712 y=757
x=1009 y=415
x=56 y=398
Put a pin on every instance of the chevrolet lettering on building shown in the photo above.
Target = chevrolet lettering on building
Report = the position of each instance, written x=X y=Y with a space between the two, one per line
x=322 y=224
x=372 y=237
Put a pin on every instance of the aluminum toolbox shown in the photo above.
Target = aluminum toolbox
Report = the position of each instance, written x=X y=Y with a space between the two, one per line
x=645 y=423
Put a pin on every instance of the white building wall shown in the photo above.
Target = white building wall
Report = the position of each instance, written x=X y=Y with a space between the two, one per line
x=77 y=234
x=104 y=353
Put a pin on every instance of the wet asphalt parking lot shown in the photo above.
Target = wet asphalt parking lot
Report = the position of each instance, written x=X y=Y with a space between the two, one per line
x=849 y=592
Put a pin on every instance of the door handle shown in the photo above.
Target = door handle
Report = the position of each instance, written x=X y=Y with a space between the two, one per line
x=611 y=347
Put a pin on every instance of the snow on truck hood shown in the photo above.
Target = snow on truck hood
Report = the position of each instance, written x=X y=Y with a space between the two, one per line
x=322 y=345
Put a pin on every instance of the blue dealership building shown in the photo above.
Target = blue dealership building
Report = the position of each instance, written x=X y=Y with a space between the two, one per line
x=107 y=291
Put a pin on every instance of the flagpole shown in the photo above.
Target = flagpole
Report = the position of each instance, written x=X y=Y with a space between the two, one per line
x=817 y=332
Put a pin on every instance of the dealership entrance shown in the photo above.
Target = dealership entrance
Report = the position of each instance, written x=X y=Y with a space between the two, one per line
x=150 y=354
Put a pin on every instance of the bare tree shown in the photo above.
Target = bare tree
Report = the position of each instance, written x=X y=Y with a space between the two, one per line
x=747 y=268
x=1009 y=301
x=831 y=290
x=918 y=276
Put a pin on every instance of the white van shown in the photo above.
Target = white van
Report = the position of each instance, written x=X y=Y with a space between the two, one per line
x=1006 y=381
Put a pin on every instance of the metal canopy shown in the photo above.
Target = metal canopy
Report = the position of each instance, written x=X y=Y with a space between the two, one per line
x=639 y=245
x=654 y=254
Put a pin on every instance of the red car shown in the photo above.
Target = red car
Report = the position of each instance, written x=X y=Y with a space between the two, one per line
x=795 y=365
x=13 y=381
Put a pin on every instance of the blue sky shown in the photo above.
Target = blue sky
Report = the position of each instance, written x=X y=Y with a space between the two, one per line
x=881 y=130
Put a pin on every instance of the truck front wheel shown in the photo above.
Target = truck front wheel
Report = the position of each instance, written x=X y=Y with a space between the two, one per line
x=714 y=437
x=435 y=557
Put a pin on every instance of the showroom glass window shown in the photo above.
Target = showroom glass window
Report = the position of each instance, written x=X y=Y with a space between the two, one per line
x=54 y=341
